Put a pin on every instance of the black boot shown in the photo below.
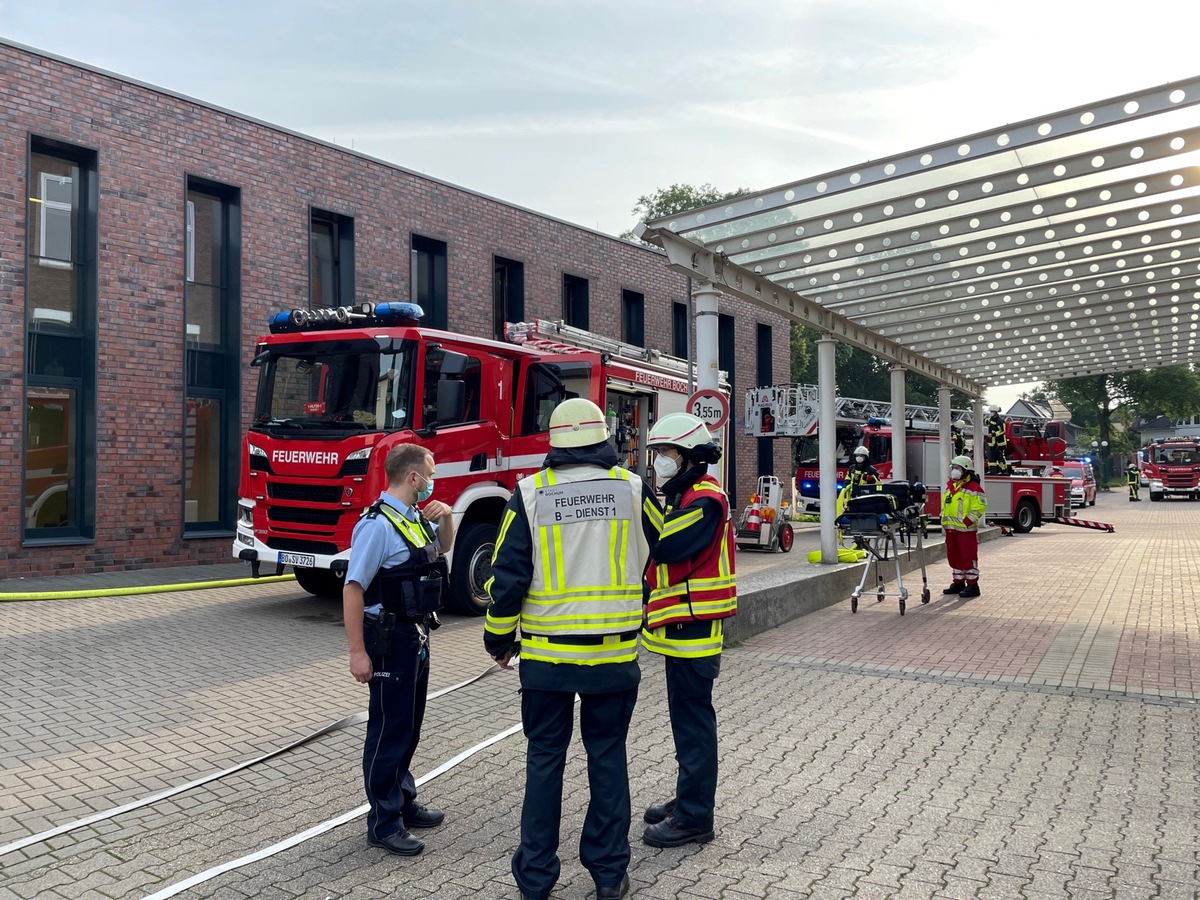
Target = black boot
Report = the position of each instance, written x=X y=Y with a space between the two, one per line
x=667 y=834
x=971 y=590
x=955 y=588
x=659 y=811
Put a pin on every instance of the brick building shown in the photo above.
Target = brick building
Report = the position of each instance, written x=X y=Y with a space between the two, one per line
x=146 y=237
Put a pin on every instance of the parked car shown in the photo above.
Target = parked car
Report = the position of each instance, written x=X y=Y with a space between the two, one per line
x=1083 y=482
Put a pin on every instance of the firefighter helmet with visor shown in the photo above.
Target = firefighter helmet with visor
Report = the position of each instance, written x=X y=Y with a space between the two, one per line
x=577 y=423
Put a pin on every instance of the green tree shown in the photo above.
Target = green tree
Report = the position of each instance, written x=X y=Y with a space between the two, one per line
x=677 y=198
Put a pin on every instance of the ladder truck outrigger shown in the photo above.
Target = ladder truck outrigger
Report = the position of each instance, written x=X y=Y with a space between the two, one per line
x=338 y=387
x=1023 y=500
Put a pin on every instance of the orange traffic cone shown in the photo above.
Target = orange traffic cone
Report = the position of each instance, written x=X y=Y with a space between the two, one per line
x=753 y=516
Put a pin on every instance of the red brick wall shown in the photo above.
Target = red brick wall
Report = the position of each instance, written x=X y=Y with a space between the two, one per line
x=148 y=142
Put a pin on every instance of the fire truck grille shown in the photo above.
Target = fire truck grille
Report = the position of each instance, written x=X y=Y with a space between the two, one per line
x=298 y=546
x=305 y=493
x=304 y=516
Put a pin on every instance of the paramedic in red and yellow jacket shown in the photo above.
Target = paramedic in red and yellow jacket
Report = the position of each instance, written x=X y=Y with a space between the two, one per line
x=691 y=590
x=963 y=509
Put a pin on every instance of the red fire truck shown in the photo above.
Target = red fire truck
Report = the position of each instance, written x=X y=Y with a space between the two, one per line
x=338 y=388
x=1023 y=500
x=1172 y=467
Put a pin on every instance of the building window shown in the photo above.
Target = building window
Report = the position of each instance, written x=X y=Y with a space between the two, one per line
x=765 y=376
x=330 y=259
x=575 y=301
x=727 y=360
x=680 y=330
x=508 y=294
x=633 y=318
x=429 y=286
x=60 y=340
x=212 y=329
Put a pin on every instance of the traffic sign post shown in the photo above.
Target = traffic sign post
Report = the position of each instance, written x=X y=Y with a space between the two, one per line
x=710 y=406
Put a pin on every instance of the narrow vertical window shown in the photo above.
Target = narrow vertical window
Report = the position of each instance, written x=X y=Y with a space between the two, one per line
x=727 y=360
x=633 y=318
x=429 y=280
x=60 y=340
x=765 y=376
x=680 y=329
x=575 y=301
x=508 y=294
x=212 y=329
x=330 y=259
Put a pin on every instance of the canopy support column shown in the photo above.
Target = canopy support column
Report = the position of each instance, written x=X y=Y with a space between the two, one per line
x=899 y=427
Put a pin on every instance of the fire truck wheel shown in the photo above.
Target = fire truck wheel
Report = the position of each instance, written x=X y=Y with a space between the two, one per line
x=786 y=538
x=320 y=583
x=1025 y=517
x=1154 y=498
x=473 y=548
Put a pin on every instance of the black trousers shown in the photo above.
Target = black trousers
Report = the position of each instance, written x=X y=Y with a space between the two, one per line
x=548 y=717
x=694 y=727
x=397 y=709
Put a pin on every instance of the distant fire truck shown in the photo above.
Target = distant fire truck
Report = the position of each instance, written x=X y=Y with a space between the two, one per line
x=1023 y=500
x=1172 y=467
x=338 y=388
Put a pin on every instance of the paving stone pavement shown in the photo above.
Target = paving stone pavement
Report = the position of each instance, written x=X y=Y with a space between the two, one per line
x=1038 y=742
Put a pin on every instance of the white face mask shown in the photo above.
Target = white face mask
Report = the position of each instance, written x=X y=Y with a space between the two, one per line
x=956 y=474
x=666 y=467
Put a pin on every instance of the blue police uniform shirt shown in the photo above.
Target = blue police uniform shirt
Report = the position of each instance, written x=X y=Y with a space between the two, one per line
x=376 y=544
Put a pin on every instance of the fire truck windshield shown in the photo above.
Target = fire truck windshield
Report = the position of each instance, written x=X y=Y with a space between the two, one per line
x=341 y=386
x=1176 y=456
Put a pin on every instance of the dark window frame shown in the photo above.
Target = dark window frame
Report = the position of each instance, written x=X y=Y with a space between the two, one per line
x=79 y=333
x=764 y=370
x=341 y=234
x=214 y=371
x=681 y=329
x=433 y=291
x=633 y=317
x=508 y=293
x=575 y=300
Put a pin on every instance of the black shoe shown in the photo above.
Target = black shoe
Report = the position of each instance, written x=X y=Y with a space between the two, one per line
x=418 y=816
x=667 y=834
x=401 y=843
x=614 y=891
x=659 y=811
x=956 y=588
x=971 y=590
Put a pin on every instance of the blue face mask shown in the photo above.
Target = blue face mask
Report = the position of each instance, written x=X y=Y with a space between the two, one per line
x=426 y=492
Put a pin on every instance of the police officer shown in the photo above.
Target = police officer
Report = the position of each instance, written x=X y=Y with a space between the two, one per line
x=393 y=589
x=692 y=590
x=958 y=440
x=861 y=473
x=963 y=509
x=566 y=594
x=1132 y=477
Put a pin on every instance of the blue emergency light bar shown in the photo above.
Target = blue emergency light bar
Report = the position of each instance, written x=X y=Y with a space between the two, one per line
x=359 y=316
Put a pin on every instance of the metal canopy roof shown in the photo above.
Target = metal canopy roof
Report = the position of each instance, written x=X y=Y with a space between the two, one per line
x=1060 y=246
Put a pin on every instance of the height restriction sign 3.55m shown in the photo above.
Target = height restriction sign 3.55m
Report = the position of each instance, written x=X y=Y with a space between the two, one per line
x=711 y=406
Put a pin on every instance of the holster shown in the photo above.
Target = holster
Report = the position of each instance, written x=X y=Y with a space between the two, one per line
x=379 y=625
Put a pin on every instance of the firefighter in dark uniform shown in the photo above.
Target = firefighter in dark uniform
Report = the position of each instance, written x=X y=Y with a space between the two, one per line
x=566 y=594
x=997 y=443
x=861 y=473
x=693 y=589
x=957 y=439
x=1132 y=476
x=393 y=589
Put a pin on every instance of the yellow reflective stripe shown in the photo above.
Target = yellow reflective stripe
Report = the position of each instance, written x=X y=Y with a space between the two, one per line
x=545 y=649
x=501 y=625
x=656 y=641
x=653 y=513
x=412 y=530
x=509 y=518
x=684 y=521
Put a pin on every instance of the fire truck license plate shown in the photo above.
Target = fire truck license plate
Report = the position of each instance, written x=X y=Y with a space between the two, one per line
x=307 y=560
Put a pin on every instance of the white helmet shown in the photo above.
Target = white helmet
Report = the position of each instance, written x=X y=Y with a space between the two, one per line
x=963 y=462
x=682 y=430
x=957 y=425
x=577 y=423
x=993 y=408
x=861 y=451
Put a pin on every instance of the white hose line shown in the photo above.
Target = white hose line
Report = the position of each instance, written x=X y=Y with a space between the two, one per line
x=328 y=825
x=355 y=719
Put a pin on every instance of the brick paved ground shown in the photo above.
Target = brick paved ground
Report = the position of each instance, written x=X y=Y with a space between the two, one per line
x=1040 y=741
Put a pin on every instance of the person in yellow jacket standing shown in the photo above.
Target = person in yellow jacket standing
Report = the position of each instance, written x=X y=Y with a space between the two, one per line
x=692 y=590
x=963 y=508
x=566 y=594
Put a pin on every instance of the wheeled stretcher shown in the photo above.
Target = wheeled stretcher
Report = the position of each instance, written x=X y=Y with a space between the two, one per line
x=879 y=521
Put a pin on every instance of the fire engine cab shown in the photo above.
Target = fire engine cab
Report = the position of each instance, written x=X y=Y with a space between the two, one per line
x=337 y=388
x=1172 y=467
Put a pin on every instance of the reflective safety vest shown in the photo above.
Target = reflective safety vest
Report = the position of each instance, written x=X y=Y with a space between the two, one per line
x=962 y=500
x=699 y=589
x=584 y=602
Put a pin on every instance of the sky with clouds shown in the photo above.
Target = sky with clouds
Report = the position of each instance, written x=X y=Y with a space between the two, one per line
x=575 y=108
